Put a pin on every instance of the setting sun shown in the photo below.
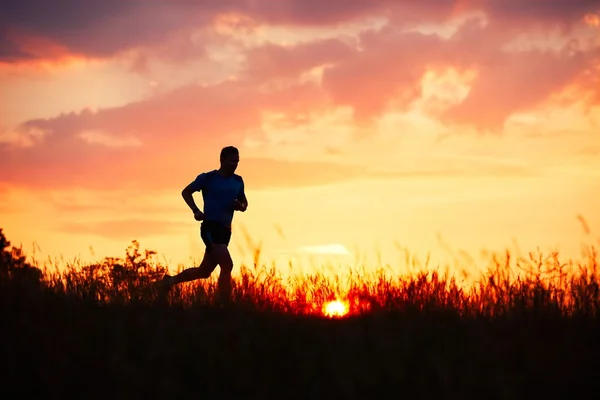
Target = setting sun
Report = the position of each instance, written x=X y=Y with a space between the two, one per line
x=335 y=308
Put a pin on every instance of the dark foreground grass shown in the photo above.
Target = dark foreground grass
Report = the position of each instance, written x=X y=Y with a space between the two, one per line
x=98 y=331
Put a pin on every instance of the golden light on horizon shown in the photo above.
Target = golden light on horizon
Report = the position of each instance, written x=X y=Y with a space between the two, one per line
x=336 y=308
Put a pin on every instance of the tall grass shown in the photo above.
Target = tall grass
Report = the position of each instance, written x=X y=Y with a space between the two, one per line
x=507 y=285
x=527 y=327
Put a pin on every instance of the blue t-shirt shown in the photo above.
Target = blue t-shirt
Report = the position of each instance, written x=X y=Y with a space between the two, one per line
x=219 y=193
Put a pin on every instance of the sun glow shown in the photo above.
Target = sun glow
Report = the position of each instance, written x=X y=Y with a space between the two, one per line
x=336 y=308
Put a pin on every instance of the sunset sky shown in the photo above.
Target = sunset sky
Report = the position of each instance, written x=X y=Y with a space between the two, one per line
x=361 y=124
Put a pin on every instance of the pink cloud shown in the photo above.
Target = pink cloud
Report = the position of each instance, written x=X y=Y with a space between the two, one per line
x=389 y=66
x=391 y=62
x=517 y=82
x=270 y=60
x=510 y=81
x=180 y=135
x=181 y=131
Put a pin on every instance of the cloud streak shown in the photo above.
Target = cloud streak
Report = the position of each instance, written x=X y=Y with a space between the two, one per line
x=127 y=229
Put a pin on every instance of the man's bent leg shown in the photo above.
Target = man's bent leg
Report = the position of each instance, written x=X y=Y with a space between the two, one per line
x=221 y=254
x=206 y=268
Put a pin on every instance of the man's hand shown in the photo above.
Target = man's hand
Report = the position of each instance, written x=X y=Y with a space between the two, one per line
x=198 y=215
x=240 y=205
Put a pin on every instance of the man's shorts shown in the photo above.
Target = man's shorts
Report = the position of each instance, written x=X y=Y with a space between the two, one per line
x=214 y=232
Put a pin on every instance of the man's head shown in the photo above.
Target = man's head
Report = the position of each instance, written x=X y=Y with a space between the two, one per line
x=230 y=157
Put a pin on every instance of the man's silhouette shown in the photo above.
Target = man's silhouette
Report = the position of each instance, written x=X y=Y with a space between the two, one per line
x=222 y=193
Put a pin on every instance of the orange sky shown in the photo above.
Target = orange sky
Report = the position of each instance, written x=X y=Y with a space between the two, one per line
x=362 y=126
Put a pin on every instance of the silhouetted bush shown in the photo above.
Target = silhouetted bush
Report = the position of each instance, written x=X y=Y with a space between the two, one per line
x=14 y=270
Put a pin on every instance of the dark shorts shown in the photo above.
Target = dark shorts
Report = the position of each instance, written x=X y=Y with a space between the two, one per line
x=214 y=232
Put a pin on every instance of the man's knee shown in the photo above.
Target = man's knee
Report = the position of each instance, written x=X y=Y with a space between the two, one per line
x=204 y=273
x=207 y=267
x=222 y=257
x=226 y=267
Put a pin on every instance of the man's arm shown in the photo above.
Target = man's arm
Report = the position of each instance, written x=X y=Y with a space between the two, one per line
x=187 y=192
x=242 y=200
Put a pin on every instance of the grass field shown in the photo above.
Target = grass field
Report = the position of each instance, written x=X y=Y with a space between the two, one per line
x=98 y=331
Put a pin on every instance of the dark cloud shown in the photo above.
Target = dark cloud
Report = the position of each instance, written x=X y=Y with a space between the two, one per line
x=519 y=13
x=104 y=28
x=10 y=51
x=513 y=15
x=92 y=28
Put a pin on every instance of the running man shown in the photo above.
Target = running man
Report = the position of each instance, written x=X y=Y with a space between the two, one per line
x=222 y=193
